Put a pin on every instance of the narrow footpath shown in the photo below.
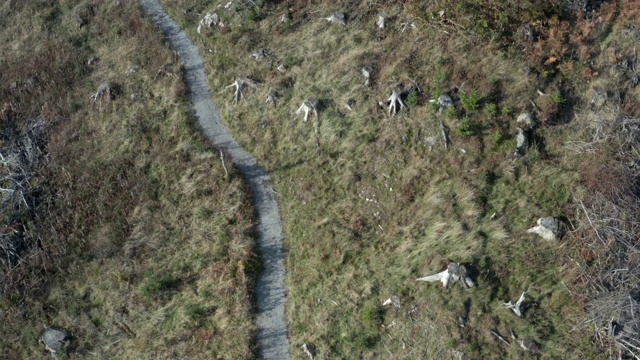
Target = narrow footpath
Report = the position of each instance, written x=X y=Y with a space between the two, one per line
x=272 y=338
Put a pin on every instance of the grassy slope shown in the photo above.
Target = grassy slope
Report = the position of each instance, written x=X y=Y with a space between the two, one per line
x=383 y=203
x=139 y=227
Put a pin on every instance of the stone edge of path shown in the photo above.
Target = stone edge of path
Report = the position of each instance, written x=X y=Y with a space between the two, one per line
x=272 y=339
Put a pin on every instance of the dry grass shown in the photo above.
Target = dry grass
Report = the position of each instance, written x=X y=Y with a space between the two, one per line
x=382 y=202
x=141 y=247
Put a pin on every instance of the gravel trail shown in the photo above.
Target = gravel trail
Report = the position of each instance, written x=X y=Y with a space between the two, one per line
x=272 y=328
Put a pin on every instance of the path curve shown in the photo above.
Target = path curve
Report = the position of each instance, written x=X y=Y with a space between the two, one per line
x=272 y=328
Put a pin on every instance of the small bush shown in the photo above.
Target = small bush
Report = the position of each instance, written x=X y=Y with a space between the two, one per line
x=470 y=101
x=466 y=127
x=557 y=98
x=498 y=137
x=491 y=110
x=412 y=99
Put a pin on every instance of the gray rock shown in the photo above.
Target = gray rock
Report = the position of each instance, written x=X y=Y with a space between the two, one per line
x=444 y=101
x=55 y=340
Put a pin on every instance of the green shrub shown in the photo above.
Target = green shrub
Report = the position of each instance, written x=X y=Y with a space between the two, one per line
x=412 y=99
x=557 y=98
x=491 y=110
x=498 y=137
x=466 y=127
x=470 y=101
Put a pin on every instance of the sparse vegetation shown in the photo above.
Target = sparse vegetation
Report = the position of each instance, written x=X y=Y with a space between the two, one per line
x=378 y=205
x=134 y=241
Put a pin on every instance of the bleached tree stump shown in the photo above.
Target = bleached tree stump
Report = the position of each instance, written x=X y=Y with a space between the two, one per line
x=337 y=18
x=103 y=89
x=209 y=20
x=309 y=349
x=526 y=121
x=516 y=307
x=453 y=273
x=521 y=143
x=308 y=106
x=393 y=300
x=381 y=20
x=529 y=345
x=547 y=228
x=366 y=72
x=395 y=100
x=239 y=84
x=259 y=54
x=271 y=99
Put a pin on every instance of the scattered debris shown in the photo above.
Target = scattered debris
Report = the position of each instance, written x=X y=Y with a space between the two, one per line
x=348 y=103
x=55 y=340
x=163 y=71
x=453 y=273
x=549 y=228
x=92 y=60
x=407 y=25
x=336 y=18
x=308 y=106
x=395 y=99
x=310 y=350
x=239 y=84
x=516 y=307
x=271 y=99
x=259 y=54
x=529 y=345
x=381 y=20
